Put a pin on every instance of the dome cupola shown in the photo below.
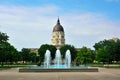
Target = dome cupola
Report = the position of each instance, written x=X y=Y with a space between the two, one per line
x=58 y=27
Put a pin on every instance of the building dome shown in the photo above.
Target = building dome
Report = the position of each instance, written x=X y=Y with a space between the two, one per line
x=58 y=27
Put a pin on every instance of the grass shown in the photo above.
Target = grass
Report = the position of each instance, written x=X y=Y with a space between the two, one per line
x=115 y=67
x=92 y=65
x=107 y=66
x=12 y=66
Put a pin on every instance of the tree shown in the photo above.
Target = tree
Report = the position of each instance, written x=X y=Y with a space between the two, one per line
x=7 y=52
x=25 y=53
x=116 y=51
x=3 y=42
x=102 y=55
x=42 y=51
x=2 y=53
x=72 y=49
x=52 y=50
x=11 y=54
x=33 y=57
x=3 y=37
x=107 y=51
x=85 y=55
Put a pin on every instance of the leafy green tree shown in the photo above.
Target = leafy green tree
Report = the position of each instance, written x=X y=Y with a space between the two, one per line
x=102 y=55
x=52 y=50
x=72 y=49
x=20 y=56
x=108 y=49
x=3 y=37
x=25 y=53
x=12 y=54
x=116 y=51
x=33 y=57
x=7 y=52
x=85 y=55
x=42 y=51
x=2 y=53
x=102 y=49
x=3 y=41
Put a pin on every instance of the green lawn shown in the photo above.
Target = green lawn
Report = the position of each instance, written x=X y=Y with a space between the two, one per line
x=12 y=66
x=91 y=65
x=117 y=67
x=107 y=66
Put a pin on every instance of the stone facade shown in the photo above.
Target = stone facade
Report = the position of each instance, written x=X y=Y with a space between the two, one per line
x=58 y=36
x=58 y=39
x=34 y=50
x=115 y=39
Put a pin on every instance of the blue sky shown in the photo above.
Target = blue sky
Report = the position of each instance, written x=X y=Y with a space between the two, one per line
x=107 y=7
x=29 y=23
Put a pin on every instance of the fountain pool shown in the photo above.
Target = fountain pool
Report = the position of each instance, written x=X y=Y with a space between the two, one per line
x=59 y=65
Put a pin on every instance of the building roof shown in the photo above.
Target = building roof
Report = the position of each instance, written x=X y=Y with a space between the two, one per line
x=58 y=27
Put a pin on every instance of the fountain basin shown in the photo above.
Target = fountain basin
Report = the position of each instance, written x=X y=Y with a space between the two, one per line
x=58 y=66
x=59 y=70
x=62 y=69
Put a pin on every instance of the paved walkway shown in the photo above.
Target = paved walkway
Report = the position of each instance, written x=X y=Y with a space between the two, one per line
x=103 y=74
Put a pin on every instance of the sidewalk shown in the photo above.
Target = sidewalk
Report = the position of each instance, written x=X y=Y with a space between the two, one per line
x=103 y=74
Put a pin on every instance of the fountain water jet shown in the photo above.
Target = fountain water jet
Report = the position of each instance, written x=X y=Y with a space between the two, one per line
x=67 y=59
x=58 y=60
x=47 y=59
x=58 y=66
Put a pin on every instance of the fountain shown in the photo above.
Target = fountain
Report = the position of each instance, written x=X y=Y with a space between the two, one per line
x=47 y=59
x=58 y=60
x=58 y=65
x=68 y=59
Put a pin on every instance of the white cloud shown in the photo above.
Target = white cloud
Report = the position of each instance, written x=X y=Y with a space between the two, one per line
x=31 y=27
x=27 y=27
x=87 y=29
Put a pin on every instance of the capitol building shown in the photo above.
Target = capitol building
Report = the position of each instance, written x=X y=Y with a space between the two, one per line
x=58 y=37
